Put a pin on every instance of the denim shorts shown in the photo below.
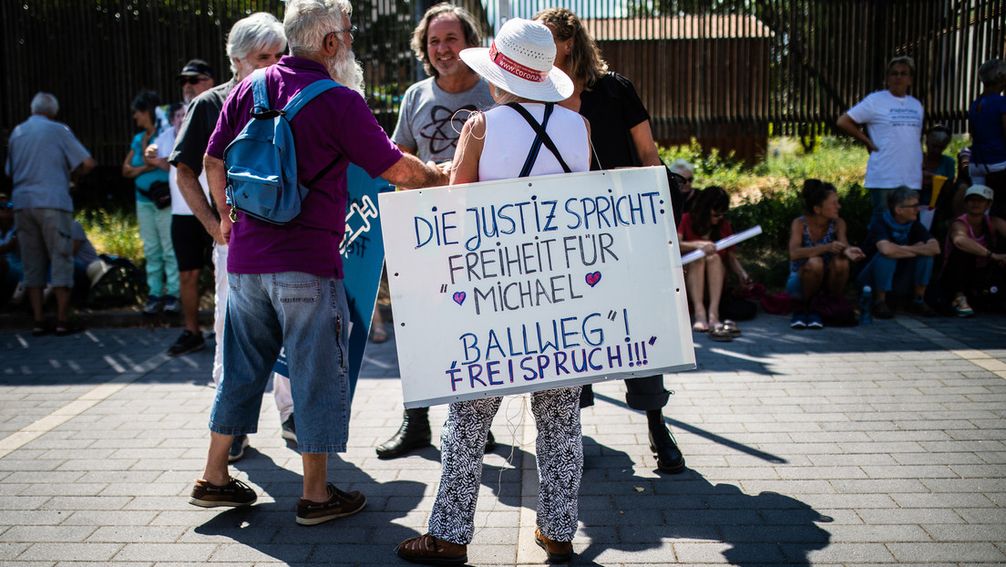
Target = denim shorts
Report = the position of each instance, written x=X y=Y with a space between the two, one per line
x=309 y=315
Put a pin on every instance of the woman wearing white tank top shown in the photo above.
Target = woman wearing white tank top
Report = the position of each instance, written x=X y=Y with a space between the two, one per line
x=495 y=145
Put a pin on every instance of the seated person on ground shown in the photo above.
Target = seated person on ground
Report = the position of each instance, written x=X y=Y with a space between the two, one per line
x=934 y=163
x=700 y=228
x=819 y=252
x=973 y=261
x=900 y=255
x=87 y=267
x=11 y=271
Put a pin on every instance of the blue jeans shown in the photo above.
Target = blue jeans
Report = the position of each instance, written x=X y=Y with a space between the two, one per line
x=309 y=315
x=881 y=272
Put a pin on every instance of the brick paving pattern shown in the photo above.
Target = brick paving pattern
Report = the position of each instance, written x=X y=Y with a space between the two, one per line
x=863 y=446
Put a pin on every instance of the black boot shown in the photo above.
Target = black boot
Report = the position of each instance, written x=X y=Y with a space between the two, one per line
x=669 y=457
x=413 y=434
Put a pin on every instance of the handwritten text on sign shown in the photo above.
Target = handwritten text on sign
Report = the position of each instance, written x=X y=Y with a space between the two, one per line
x=535 y=283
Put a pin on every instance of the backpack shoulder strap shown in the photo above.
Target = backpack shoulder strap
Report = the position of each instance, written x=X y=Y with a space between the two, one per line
x=260 y=94
x=542 y=134
x=306 y=95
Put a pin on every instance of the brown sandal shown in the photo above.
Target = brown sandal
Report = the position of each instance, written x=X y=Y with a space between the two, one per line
x=719 y=333
x=430 y=550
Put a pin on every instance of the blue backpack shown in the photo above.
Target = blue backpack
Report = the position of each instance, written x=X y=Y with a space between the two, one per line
x=262 y=161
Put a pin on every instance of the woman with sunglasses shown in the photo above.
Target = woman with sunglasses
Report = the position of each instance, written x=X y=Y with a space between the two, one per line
x=700 y=228
x=620 y=136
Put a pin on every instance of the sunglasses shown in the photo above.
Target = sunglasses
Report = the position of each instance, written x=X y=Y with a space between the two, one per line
x=191 y=80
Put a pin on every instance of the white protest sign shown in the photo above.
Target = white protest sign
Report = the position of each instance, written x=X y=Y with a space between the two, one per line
x=529 y=284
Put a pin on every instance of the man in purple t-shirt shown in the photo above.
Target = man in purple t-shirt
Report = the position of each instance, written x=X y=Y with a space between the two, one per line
x=286 y=281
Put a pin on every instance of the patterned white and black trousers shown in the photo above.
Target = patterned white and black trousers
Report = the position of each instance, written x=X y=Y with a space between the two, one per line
x=560 y=464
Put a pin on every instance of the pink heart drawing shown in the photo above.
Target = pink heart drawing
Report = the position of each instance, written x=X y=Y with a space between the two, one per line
x=592 y=278
x=459 y=297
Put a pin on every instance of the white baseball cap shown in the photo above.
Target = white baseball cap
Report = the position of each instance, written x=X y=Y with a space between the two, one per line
x=983 y=191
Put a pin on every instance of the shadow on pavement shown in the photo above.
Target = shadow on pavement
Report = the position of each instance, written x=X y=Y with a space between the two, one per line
x=726 y=442
x=635 y=514
x=270 y=528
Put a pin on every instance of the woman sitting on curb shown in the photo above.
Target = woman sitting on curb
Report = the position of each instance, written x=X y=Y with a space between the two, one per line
x=699 y=230
x=819 y=252
x=971 y=261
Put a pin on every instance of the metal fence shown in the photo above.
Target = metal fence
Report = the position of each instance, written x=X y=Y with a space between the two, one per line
x=728 y=71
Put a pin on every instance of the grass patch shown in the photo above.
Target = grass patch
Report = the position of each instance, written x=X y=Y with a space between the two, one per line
x=113 y=232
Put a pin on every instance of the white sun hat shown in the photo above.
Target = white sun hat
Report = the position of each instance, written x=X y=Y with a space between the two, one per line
x=520 y=61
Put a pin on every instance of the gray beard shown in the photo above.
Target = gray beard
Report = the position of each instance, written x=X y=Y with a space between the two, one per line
x=347 y=71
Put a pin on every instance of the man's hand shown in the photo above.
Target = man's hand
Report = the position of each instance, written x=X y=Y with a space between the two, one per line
x=410 y=173
x=223 y=236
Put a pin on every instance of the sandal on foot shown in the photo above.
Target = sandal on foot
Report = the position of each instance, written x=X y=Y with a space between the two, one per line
x=720 y=334
x=700 y=327
x=432 y=551
x=730 y=326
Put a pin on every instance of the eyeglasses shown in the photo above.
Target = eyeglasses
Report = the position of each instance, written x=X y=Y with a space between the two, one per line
x=351 y=31
x=192 y=80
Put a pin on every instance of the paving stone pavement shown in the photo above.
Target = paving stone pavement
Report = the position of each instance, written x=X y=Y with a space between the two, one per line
x=864 y=446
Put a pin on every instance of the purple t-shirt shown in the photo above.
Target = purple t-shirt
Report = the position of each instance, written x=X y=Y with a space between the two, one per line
x=337 y=126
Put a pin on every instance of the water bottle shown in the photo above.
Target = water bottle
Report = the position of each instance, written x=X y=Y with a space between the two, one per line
x=866 y=306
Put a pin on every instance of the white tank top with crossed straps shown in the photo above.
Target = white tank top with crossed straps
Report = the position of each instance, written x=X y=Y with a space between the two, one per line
x=508 y=141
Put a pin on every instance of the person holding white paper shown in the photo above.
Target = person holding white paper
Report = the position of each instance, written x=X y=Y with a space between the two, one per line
x=700 y=228
x=495 y=145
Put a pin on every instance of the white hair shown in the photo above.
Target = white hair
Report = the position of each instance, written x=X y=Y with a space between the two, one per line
x=307 y=22
x=44 y=103
x=258 y=31
x=681 y=166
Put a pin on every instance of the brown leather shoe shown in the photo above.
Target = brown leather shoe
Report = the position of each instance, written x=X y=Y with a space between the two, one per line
x=557 y=551
x=430 y=550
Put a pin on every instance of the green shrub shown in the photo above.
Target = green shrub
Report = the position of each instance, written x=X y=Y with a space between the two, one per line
x=115 y=233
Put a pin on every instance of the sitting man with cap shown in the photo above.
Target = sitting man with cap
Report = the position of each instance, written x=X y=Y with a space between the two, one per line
x=974 y=262
x=196 y=78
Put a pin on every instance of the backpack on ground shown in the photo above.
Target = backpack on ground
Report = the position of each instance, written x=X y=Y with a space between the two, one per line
x=261 y=161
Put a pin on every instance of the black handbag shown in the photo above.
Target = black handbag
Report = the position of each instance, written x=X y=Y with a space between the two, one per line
x=159 y=193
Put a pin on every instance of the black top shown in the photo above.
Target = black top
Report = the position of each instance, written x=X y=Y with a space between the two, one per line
x=880 y=231
x=200 y=121
x=612 y=107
